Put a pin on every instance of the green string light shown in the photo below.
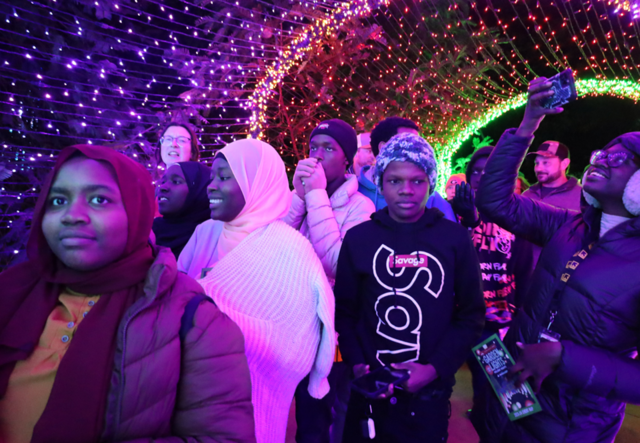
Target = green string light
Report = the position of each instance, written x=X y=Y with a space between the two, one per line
x=626 y=89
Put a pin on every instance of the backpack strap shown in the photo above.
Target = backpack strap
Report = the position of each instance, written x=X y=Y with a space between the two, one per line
x=186 y=322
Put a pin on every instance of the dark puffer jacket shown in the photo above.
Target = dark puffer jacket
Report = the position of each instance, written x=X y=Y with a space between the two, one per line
x=598 y=315
x=165 y=390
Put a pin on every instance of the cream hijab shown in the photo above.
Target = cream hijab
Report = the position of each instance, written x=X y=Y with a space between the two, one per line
x=260 y=173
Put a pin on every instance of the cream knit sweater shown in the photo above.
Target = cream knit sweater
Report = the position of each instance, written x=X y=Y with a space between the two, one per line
x=274 y=287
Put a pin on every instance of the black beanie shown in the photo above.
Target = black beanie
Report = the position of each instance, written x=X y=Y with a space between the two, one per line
x=485 y=151
x=343 y=133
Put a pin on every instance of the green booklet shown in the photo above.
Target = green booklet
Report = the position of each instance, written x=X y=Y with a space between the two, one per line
x=496 y=362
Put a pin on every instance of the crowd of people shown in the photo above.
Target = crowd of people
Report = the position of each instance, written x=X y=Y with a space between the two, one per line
x=225 y=293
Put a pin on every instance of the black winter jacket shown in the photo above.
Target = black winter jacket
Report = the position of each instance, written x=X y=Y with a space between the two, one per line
x=598 y=316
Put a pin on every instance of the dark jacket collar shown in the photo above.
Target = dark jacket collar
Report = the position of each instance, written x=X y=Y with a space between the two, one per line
x=592 y=216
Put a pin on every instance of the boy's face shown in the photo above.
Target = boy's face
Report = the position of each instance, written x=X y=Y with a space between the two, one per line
x=85 y=222
x=405 y=187
x=477 y=170
x=330 y=156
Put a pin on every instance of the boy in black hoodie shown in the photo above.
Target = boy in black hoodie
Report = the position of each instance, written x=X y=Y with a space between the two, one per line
x=407 y=295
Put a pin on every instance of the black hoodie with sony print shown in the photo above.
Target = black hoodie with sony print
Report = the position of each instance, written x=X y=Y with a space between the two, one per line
x=408 y=292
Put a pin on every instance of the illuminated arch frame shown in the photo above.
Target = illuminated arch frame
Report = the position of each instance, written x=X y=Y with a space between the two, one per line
x=301 y=45
x=589 y=87
x=257 y=103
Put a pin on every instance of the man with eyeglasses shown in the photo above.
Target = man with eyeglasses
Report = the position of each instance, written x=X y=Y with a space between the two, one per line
x=576 y=335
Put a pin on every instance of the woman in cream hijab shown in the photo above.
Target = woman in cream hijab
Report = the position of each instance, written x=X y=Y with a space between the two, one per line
x=267 y=278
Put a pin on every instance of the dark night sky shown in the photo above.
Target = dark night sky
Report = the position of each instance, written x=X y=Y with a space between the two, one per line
x=585 y=125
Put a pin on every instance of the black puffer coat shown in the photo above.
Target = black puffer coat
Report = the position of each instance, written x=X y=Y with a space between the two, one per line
x=598 y=316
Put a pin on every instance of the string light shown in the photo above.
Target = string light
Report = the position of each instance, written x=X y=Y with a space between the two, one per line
x=301 y=45
x=501 y=48
x=114 y=75
x=451 y=69
x=624 y=89
x=625 y=6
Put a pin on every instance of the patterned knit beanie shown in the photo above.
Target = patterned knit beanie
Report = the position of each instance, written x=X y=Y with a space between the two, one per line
x=407 y=147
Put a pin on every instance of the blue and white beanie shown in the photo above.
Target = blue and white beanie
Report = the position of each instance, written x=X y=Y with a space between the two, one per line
x=407 y=147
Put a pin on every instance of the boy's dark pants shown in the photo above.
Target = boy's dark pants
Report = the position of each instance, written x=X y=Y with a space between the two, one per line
x=403 y=418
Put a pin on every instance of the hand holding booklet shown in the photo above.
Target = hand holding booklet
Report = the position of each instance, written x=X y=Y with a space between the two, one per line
x=496 y=361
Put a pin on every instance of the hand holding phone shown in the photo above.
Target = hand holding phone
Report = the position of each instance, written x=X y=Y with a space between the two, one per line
x=378 y=382
x=540 y=103
x=419 y=375
x=564 y=90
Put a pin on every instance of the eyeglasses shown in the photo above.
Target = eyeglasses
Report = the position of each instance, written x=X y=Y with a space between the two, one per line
x=167 y=140
x=613 y=159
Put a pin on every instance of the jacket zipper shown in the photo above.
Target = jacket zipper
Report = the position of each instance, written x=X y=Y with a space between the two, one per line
x=118 y=412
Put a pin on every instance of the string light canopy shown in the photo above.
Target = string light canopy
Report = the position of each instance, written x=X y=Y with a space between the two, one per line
x=624 y=89
x=295 y=52
x=71 y=79
x=114 y=71
x=442 y=63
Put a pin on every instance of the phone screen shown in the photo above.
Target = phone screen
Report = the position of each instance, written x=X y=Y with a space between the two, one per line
x=378 y=381
x=564 y=90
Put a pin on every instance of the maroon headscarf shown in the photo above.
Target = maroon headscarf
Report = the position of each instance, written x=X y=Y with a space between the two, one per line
x=75 y=411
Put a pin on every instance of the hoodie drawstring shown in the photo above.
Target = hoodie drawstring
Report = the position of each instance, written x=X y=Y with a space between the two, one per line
x=395 y=294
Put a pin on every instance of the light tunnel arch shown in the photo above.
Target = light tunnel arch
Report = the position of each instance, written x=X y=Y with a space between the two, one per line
x=257 y=103
x=627 y=89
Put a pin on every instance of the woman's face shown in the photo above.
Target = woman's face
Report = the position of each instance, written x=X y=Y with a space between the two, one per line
x=172 y=191
x=85 y=222
x=608 y=183
x=226 y=200
x=175 y=145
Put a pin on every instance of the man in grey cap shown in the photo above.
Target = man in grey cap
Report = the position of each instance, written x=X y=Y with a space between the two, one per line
x=554 y=187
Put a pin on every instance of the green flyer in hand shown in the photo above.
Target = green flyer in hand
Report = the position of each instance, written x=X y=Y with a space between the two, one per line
x=496 y=361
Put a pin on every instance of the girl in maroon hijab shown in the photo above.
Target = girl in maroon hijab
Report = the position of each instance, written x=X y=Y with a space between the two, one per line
x=101 y=339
